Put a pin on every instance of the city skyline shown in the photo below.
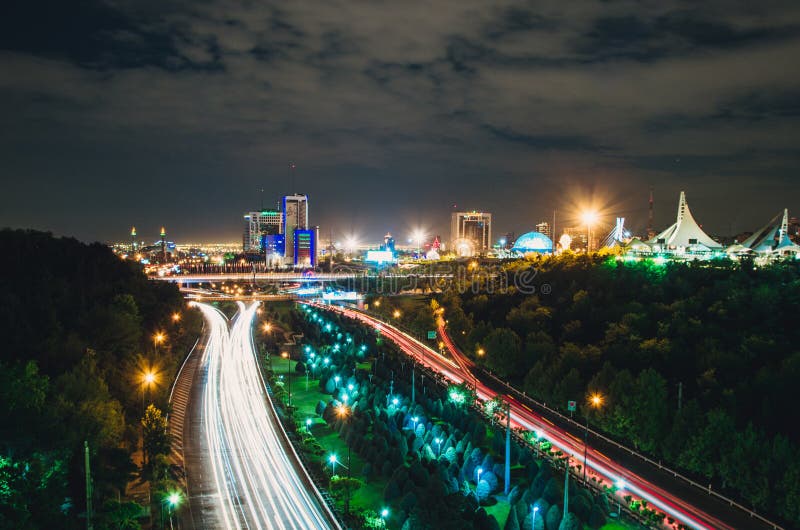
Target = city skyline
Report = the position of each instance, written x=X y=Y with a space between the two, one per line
x=180 y=116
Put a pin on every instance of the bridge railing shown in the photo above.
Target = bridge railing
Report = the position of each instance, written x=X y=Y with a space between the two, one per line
x=524 y=397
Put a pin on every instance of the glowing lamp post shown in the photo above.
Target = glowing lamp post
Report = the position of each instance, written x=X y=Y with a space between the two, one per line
x=285 y=355
x=595 y=402
x=534 y=511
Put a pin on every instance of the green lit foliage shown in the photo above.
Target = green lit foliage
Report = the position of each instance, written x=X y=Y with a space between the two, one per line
x=154 y=428
x=636 y=333
x=76 y=323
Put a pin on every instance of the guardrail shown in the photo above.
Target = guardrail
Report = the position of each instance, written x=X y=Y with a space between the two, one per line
x=707 y=489
x=524 y=397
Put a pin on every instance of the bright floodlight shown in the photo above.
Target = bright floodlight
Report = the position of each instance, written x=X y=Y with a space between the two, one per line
x=589 y=217
x=350 y=244
x=596 y=400
x=174 y=499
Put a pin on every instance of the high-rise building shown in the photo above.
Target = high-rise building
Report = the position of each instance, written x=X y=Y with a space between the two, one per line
x=295 y=216
x=273 y=247
x=545 y=228
x=578 y=237
x=258 y=224
x=304 y=248
x=470 y=232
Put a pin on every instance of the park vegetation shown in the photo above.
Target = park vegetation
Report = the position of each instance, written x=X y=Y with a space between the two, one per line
x=439 y=462
x=698 y=362
x=77 y=326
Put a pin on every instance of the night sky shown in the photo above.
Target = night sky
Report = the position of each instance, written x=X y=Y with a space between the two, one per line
x=150 y=112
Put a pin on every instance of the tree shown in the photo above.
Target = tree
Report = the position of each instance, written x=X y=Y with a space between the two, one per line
x=503 y=352
x=156 y=438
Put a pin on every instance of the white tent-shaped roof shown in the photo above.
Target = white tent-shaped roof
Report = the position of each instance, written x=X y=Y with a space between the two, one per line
x=787 y=246
x=685 y=233
x=765 y=238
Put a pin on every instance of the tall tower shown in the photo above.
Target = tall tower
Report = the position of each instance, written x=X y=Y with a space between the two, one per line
x=163 y=244
x=650 y=232
x=133 y=239
x=295 y=217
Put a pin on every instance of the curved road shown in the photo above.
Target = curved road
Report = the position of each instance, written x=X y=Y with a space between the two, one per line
x=245 y=472
x=598 y=464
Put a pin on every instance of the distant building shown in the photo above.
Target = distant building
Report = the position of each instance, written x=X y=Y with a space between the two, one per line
x=273 y=246
x=545 y=228
x=258 y=224
x=533 y=242
x=388 y=243
x=470 y=232
x=578 y=237
x=304 y=249
x=295 y=215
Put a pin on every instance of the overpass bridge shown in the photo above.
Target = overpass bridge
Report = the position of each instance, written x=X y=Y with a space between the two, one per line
x=294 y=277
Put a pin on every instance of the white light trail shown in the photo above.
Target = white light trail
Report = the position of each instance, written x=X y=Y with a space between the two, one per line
x=258 y=484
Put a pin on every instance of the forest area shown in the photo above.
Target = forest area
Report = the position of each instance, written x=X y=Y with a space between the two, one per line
x=88 y=353
x=697 y=362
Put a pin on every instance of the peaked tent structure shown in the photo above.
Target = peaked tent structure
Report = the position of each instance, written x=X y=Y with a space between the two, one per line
x=685 y=234
x=773 y=237
x=765 y=238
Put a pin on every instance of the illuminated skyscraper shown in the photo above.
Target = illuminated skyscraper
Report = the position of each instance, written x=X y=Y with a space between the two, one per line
x=305 y=247
x=545 y=228
x=259 y=224
x=470 y=232
x=295 y=216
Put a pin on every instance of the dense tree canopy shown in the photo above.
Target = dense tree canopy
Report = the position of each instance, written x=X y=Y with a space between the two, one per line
x=77 y=325
x=698 y=362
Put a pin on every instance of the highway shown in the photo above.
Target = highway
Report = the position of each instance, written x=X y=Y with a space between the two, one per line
x=245 y=473
x=599 y=465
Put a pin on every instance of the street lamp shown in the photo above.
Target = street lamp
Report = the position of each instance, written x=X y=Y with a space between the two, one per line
x=267 y=327
x=481 y=352
x=438 y=442
x=332 y=460
x=534 y=510
x=478 y=481
x=384 y=515
x=148 y=379
x=396 y=313
x=620 y=485
x=343 y=413
x=158 y=338
x=176 y=317
x=308 y=425
x=285 y=355
x=595 y=401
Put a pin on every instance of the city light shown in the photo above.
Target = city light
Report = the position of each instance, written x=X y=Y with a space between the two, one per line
x=176 y=317
x=589 y=217
x=174 y=499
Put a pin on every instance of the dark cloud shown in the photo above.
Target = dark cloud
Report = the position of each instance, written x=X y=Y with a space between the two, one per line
x=120 y=112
